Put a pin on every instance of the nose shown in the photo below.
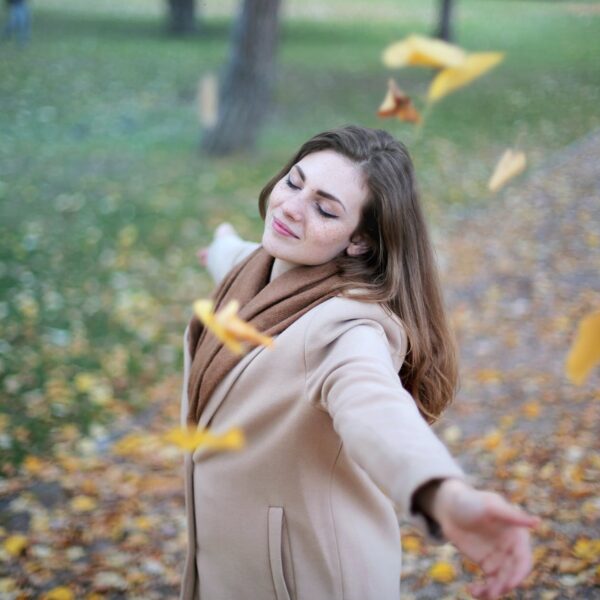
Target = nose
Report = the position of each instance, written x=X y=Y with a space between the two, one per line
x=292 y=207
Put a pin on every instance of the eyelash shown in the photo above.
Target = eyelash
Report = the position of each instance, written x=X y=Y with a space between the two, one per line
x=318 y=206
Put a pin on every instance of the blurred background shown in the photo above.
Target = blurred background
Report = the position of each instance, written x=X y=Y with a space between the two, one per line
x=118 y=157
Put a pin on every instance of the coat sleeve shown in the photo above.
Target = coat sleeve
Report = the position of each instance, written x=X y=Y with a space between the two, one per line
x=226 y=251
x=352 y=373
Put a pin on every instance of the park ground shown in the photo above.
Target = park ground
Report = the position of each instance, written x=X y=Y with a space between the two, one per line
x=104 y=200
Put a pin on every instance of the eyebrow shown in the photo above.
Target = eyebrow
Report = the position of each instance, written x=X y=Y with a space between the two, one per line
x=321 y=192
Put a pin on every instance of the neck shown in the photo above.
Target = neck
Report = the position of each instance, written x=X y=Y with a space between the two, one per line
x=280 y=267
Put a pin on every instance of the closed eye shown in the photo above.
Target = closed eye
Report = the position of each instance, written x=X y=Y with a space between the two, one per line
x=322 y=212
x=325 y=213
x=290 y=184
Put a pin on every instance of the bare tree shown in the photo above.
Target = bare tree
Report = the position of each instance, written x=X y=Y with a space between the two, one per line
x=444 y=30
x=246 y=86
x=181 y=16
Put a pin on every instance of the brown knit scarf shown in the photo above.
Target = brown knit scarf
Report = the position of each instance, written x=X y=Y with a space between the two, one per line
x=270 y=306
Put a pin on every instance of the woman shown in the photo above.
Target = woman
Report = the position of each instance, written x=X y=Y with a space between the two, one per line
x=338 y=447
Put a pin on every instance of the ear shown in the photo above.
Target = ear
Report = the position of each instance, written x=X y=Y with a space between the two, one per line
x=358 y=245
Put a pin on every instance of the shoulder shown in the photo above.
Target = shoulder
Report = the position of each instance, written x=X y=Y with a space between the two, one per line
x=358 y=320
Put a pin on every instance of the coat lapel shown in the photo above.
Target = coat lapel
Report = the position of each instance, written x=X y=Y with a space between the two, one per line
x=223 y=388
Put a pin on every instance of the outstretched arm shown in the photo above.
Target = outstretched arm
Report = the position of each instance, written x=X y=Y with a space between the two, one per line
x=226 y=250
x=485 y=528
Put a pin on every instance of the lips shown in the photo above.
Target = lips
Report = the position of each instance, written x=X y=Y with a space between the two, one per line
x=282 y=229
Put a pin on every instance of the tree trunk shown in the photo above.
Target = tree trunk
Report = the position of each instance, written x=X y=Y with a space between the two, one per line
x=444 y=31
x=181 y=18
x=246 y=86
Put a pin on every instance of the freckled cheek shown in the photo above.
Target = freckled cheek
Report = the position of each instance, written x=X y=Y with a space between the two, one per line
x=328 y=235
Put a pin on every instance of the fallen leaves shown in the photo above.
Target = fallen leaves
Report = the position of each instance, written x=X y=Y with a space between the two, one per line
x=228 y=327
x=442 y=572
x=15 y=545
x=584 y=354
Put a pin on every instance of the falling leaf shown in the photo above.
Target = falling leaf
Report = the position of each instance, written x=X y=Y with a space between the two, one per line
x=584 y=354
x=397 y=103
x=452 y=78
x=418 y=50
x=15 y=544
x=59 y=593
x=190 y=438
x=208 y=100
x=511 y=163
x=228 y=327
x=442 y=572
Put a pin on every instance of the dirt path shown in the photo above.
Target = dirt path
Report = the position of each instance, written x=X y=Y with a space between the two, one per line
x=518 y=277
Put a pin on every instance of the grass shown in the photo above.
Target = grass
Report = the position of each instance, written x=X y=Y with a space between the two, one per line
x=104 y=197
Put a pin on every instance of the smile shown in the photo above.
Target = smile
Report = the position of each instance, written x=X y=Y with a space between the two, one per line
x=281 y=229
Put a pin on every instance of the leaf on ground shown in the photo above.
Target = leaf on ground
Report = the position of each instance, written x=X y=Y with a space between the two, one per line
x=442 y=572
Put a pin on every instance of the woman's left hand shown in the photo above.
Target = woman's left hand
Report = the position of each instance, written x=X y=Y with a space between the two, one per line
x=489 y=531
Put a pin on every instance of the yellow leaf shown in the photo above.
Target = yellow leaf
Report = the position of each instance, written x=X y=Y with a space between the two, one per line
x=419 y=50
x=411 y=544
x=83 y=503
x=584 y=354
x=587 y=549
x=397 y=104
x=531 y=410
x=15 y=544
x=453 y=78
x=189 y=439
x=143 y=522
x=4 y=421
x=511 y=163
x=492 y=440
x=59 y=593
x=33 y=465
x=442 y=572
x=228 y=327
x=84 y=382
x=489 y=376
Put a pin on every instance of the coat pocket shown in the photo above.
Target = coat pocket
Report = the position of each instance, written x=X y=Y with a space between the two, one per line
x=280 y=557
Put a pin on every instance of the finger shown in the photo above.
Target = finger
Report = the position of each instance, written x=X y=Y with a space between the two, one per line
x=499 y=582
x=511 y=514
x=523 y=563
x=476 y=589
x=202 y=255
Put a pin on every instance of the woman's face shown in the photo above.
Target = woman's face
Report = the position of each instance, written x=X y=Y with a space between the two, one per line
x=314 y=209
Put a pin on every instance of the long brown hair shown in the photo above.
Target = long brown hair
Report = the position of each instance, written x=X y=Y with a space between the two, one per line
x=399 y=269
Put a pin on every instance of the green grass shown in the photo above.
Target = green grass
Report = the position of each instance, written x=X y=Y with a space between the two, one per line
x=104 y=197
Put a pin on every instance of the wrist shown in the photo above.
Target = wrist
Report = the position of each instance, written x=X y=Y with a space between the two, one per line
x=434 y=497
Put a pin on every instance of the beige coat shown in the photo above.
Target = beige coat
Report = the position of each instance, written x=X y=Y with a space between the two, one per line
x=335 y=448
